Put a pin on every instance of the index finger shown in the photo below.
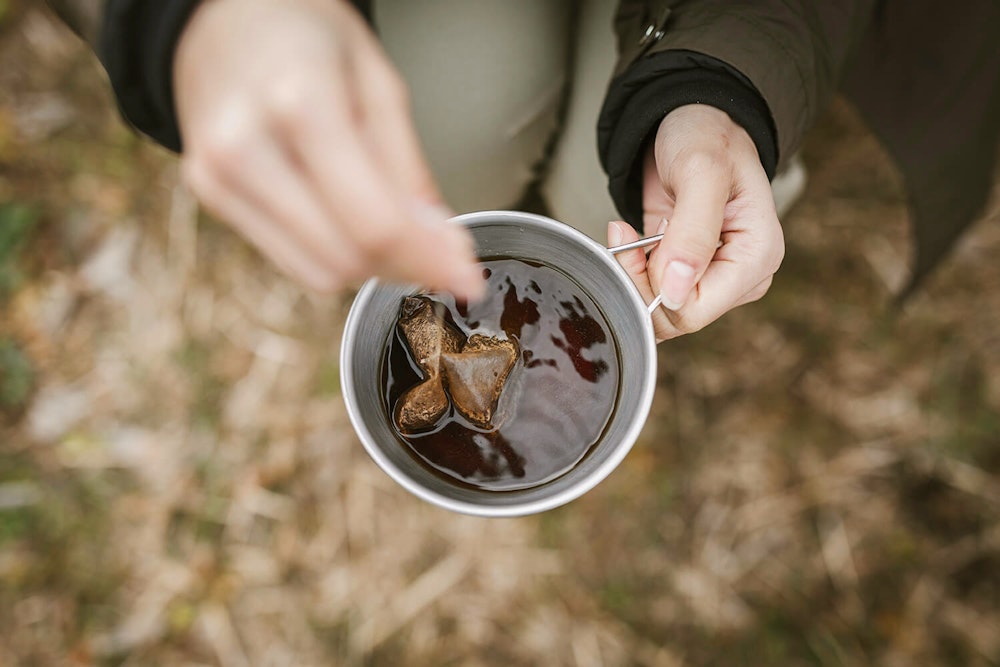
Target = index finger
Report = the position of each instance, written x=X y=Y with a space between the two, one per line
x=403 y=242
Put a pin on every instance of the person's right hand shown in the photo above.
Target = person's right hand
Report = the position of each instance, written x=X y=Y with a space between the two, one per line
x=703 y=174
x=297 y=132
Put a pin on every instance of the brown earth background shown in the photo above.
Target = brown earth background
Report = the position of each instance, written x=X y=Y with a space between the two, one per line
x=818 y=483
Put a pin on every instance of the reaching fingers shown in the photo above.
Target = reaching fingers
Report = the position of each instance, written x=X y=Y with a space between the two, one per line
x=260 y=172
x=312 y=158
x=393 y=238
x=259 y=228
x=390 y=134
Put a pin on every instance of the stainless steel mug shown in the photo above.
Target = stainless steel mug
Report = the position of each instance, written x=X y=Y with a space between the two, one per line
x=533 y=238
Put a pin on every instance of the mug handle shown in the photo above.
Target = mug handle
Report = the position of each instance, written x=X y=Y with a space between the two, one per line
x=643 y=243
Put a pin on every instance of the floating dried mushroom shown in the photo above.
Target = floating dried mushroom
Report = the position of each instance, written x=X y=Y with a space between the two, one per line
x=476 y=376
x=474 y=373
x=422 y=406
x=427 y=333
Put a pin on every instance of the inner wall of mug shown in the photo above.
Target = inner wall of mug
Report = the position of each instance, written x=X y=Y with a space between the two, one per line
x=375 y=312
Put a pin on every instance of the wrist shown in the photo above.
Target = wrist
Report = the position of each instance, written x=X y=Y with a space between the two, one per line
x=704 y=129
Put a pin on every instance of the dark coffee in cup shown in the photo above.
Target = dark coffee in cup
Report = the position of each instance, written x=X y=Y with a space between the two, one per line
x=511 y=392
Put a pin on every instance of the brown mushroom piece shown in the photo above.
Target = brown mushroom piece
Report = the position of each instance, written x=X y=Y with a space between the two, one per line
x=422 y=406
x=427 y=333
x=474 y=373
x=476 y=376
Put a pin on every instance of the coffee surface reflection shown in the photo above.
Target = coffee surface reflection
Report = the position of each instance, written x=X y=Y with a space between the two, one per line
x=529 y=426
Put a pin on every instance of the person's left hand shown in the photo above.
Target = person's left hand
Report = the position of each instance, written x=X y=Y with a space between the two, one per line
x=703 y=175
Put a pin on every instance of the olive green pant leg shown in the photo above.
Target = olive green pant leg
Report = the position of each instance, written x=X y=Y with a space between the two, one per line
x=576 y=187
x=486 y=80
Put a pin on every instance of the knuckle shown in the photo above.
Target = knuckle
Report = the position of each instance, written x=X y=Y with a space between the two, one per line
x=753 y=297
x=289 y=100
x=352 y=269
x=223 y=148
x=684 y=323
x=757 y=293
x=663 y=333
x=222 y=155
x=776 y=262
x=777 y=254
x=634 y=267
x=197 y=175
x=390 y=90
x=695 y=248
x=693 y=327
x=701 y=162
x=704 y=248
x=206 y=185
x=378 y=242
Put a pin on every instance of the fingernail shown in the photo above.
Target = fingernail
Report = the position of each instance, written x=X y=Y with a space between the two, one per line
x=615 y=234
x=662 y=227
x=678 y=279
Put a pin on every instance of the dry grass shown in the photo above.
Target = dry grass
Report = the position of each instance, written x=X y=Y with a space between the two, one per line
x=819 y=483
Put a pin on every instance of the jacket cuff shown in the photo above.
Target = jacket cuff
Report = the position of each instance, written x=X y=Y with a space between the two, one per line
x=640 y=98
x=137 y=49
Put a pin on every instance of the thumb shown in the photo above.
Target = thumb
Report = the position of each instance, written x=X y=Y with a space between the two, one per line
x=690 y=240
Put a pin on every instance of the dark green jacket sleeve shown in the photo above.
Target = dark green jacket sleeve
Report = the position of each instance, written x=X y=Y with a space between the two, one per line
x=135 y=41
x=925 y=76
x=793 y=52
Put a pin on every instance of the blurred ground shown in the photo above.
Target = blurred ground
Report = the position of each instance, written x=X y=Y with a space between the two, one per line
x=819 y=483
